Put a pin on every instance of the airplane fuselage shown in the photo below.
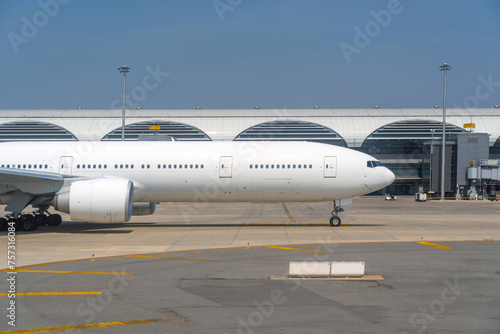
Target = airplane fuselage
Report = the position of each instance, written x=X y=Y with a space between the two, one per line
x=209 y=171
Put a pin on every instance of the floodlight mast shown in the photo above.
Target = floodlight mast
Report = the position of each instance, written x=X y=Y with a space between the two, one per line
x=445 y=68
x=124 y=69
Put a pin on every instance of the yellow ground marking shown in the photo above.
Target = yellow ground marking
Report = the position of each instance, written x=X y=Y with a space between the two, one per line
x=67 y=272
x=268 y=224
x=168 y=258
x=54 y=293
x=316 y=224
x=87 y=326
x=433 y=245
x=287 y=213
x=233 y=247
x=295 y=249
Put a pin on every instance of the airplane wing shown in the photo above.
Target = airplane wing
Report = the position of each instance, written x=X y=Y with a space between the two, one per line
x=30 y=182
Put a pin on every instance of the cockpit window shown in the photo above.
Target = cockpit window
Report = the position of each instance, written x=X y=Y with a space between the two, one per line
x=373 y=164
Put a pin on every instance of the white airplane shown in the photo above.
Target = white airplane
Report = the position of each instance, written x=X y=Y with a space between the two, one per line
x=107 y=182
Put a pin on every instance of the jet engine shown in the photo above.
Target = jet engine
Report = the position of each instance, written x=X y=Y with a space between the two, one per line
x=103 y=200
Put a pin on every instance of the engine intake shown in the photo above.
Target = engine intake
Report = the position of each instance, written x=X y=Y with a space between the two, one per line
x=104 y=200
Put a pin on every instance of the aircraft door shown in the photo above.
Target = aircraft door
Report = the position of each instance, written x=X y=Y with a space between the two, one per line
x=65 y=165
x=330 y=167
x=226 y=167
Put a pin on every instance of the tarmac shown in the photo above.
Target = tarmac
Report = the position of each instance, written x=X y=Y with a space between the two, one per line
x=207 y=268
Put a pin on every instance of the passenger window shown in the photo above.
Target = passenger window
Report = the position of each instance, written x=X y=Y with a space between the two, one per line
x=202 y=166
x=121 y=166
x=100 y=166
x=191 y=166
x=310 y=166
x=293 y=166
x=142 y=166
x=132 y=166
x=105 y=166
x=159 y=166
x=94 y=166
x=169 y=166
x=278 y=166
x=196 y=166
x=164 y=166
x=148 y=166
x=250 y=166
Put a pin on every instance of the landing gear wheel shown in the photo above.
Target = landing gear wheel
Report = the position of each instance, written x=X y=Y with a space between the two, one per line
x=3 y=224
x=54 y=220
x=41 y=220
x=335 y=221
x=28 y=223
x=18 y=224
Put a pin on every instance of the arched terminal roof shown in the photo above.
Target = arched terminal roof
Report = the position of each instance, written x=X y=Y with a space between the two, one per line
x=291 y=130
x=353 y=125
x=33 y=131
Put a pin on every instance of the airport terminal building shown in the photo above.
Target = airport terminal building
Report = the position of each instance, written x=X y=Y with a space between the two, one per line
x=408 y=141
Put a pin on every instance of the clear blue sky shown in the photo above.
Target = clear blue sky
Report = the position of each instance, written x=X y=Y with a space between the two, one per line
x=244 y=53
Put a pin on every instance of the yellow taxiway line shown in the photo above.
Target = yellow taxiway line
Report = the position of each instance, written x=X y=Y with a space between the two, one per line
x=168 y=258
x=295 y=249
x=54 y=293
x=87 y=326
x=433 y=245
x=67 y=272
x=266 y=224
x=287 y=213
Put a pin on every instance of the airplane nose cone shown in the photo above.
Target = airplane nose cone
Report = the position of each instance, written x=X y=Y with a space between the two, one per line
x=389 y=176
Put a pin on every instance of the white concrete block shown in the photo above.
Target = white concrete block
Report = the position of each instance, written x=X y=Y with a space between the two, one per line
x=347 y=269
x=309 y=269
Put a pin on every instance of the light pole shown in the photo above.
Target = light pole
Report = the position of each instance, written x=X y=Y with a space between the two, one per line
x=445 y=67
x=124 y=69
x=430 y=162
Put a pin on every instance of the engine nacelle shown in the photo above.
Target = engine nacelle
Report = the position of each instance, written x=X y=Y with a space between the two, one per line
x=104 y=200
x=143 y=208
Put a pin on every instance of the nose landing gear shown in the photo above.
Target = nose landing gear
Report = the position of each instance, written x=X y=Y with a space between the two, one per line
x=335 y=220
